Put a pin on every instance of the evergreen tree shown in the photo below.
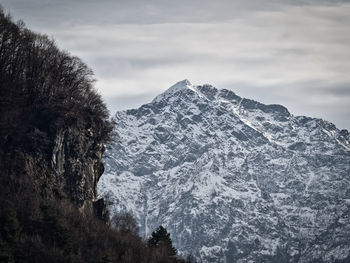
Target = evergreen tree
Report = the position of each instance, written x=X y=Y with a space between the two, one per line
x=161 y=239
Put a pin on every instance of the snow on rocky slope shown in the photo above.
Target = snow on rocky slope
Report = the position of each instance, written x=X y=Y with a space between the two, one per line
x=233 y=180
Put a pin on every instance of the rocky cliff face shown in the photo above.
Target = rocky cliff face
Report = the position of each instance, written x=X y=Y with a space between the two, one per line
x=233 y=180
x=62 y=161
x=76 y=165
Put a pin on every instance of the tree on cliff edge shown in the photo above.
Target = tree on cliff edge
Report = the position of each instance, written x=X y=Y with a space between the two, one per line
x=160 y=239
x=39 y=83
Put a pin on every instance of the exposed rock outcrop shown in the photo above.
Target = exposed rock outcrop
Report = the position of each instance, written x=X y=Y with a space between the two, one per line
x=62 y=161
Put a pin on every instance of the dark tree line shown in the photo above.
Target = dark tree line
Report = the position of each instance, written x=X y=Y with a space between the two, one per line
x=51 y=231
x=35 y=74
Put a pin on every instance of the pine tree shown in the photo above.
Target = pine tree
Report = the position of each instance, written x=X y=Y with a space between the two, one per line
x=161 y=239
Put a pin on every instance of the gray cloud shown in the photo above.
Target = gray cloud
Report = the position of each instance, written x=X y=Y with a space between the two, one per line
x=288 y=52
x=57 y=13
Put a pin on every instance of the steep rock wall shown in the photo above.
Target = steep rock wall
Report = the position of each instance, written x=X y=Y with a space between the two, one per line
x=60 y=161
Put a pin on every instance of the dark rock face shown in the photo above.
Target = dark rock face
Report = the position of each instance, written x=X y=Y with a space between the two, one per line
x=62 y=162
x=76 y=165
x=233 y=180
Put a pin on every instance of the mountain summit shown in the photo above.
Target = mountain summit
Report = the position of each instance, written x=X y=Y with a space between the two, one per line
x=232 y=179
x=179 y=86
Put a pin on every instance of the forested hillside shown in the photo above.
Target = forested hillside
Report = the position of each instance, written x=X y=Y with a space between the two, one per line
x=53 y=127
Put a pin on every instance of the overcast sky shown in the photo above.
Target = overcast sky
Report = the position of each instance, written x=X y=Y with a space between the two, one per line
x=290 y=52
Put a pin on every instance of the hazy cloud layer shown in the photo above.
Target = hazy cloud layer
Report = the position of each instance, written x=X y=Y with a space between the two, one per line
x=294 y=53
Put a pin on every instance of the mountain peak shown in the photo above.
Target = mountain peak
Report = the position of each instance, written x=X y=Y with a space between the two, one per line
x=181 y=85
x=184 y=82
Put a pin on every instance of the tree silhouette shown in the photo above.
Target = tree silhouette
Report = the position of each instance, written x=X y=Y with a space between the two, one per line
x=125 y=222
x=160 y=239
x=36 y=76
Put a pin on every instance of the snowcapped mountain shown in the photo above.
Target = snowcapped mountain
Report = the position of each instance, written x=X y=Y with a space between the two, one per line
x=232 y=180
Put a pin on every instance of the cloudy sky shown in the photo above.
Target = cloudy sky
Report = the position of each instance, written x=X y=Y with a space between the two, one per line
x=290 y=52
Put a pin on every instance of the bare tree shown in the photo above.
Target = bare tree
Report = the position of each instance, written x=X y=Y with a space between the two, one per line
x=125 y=222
